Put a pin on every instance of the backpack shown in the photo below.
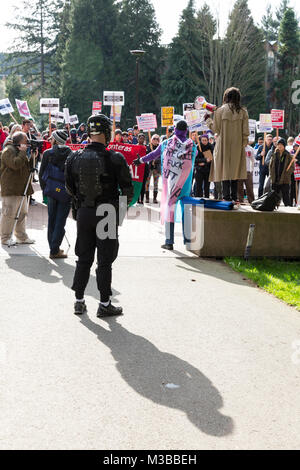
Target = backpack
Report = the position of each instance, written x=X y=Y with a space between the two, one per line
x=268 y=202
x=55 y=184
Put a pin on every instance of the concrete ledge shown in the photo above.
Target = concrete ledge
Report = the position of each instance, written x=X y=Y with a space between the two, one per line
x=277 y=234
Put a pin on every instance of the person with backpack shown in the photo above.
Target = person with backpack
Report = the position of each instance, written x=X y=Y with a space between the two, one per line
x=281 y=171
x=52 y=181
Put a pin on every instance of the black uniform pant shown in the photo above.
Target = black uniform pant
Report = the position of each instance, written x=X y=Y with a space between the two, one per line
x=263 y=174
x=230 y=190
x=86 y=245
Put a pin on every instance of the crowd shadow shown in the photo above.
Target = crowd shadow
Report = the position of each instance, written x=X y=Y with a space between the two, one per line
x=147 y=370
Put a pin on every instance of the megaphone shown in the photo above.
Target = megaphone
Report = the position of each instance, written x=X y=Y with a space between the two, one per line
x=201 y=103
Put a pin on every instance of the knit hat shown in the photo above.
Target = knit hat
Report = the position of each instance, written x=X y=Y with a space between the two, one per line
x=118 y=132
x=60 y=137
x=182 y=126
x=282 y=141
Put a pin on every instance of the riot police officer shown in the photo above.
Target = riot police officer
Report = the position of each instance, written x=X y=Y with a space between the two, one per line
x=96 y=178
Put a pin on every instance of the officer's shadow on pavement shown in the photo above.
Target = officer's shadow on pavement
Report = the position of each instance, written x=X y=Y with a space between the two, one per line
x=150 y=371
x=40 y=268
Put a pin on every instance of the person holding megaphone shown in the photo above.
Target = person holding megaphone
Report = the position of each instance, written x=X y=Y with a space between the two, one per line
x=230 y=122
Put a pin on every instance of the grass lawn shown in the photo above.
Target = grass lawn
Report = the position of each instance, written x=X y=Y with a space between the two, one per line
x=280 y=278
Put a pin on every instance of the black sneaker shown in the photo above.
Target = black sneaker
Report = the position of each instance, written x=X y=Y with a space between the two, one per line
x=80 y=308
x=167 y=247
x=109 y=311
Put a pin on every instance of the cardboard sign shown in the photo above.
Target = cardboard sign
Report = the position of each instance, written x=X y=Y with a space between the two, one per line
x=47 y=105
x=147 y=122
x=195 y=120
x=110 y=97
x=167 y=116
x=74 y=119
x=118 y=113
x=6 y=107
x=252 y=130
x=23 y=109
x=97 y=108
x=277 y=116
x=265 y=123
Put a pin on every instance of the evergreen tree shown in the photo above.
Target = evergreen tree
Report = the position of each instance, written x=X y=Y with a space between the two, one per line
x=14 y=88
x=181 y=81
x=88 y=59
x=289 y=51
x=37 y=25
x=243 y=60
x=137 y=29
x=270 y=25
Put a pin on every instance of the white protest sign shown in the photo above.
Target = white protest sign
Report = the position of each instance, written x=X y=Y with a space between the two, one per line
x=195 y=120
x=252 y=129
x=113 y=97
x=58 y=117
x=66 y=115
x=265 y=123
x=6 y=107
x=47 y=105
x=23 y=108
x=118 y=113
x=147 y=122
x=74 y=119
x=188 y=107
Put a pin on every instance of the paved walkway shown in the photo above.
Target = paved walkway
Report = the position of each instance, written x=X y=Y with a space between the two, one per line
x=200 y=360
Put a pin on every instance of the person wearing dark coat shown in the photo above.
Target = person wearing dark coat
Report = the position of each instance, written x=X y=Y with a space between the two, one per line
x=58 y=211
x=202 y=167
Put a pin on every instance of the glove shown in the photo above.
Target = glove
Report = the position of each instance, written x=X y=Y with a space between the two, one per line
x=137 y=162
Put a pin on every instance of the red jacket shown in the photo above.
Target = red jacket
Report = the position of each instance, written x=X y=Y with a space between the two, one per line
x=3 y=136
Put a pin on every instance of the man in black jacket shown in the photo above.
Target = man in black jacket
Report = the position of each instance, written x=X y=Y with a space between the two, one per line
x=94 y=178
x=58 y=211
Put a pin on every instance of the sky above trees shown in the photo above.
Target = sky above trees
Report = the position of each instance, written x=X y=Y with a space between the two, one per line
x=167 y=12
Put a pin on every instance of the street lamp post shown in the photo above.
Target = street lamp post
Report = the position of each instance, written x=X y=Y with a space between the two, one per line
x=138 y=54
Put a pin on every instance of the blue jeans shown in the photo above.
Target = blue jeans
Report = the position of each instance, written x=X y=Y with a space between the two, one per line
x=57 y=216
x=170 y=229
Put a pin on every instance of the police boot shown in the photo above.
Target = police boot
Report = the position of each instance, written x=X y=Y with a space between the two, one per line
x=155 y=201
x=147 y=197
x=109 y=311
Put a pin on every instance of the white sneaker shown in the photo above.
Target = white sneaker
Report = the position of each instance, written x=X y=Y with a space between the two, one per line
x=9 y=243
x=28 y=241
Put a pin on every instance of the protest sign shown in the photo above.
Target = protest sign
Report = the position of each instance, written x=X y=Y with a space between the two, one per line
x=47 y=105
x=131 y=152
x=167 y=116
x=66 y=115
x=188 y=107
x=74 y=120
x=6 y=107
x=265 y=123
x=117 y=111
x=23 y=109
x=97 y=107
x=113 y=97
x=277 y=116
x=58 y=117
x=252 y=129
x=297 y=172
x=147 y=122
x=195 y=120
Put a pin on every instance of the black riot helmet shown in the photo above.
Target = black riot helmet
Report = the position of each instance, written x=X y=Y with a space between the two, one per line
x=100 y=124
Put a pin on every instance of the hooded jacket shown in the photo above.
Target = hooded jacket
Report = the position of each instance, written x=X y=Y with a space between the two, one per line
x=57 y=156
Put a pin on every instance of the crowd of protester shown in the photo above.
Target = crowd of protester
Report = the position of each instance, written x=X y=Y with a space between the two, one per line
x=19 y=159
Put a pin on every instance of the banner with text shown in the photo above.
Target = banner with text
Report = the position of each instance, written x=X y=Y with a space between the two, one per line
x=167 y=116
x=277 y=116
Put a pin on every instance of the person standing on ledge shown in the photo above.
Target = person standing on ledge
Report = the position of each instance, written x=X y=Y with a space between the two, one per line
x=230 y=122
x=178 y=156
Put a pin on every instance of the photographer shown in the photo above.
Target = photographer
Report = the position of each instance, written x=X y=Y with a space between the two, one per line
x=16 y=168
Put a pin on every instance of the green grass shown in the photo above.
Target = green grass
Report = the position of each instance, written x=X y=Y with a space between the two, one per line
x=280 y=278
